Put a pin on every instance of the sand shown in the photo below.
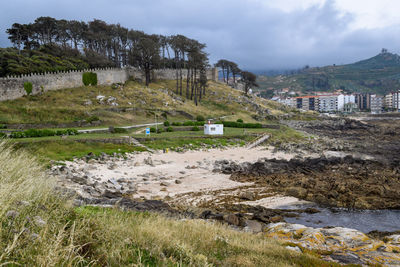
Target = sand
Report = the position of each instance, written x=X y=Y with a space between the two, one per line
x=168 y=174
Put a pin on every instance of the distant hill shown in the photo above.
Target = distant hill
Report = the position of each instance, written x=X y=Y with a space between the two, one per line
x=379 y=74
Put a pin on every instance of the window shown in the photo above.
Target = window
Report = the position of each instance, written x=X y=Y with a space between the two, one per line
x=212 y=129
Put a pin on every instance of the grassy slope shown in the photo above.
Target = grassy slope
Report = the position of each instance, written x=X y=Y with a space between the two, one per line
x=379 y=74
x=67 y=236
x=67 y=105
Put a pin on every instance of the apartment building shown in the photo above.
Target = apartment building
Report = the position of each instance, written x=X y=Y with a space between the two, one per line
x=388 y=101
x=376 y=104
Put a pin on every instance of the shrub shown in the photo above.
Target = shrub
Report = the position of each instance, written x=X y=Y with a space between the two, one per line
x=170 y=129
x=195 y=128
x=42 y=133
x=235 y=124
x=89 y=78
x=3 y=126
x=188 y=123
x=160 y=130
x=28 y=88
x=120 y=130
x=92 y=119
x=2 y=135
x=152 y=130
x=166 y=123
x=200 y=118
x=239 y=120
x=176 y=124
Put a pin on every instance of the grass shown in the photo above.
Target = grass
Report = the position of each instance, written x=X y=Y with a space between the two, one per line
x=39 y=227
x=66 y=150
x=57 y=149
x=68 y=105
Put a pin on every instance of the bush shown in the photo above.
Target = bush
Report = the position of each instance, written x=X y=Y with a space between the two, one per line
x=2 y=135
x=89 y=78
x=195 y=128
x=28 y=88
x=176 y=124
x=160 y=130
x=235 y=124
x=170 y=129
x=188 y=123
x=42 y=133
x=152 y=130
x=120 y=130
x=166 y=123
x=239 y=120
x=3 y=126
x=92 y=119
x=200 y=118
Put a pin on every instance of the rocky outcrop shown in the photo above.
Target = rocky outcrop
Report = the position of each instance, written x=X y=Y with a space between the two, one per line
x=341 y=182
x=339 y=244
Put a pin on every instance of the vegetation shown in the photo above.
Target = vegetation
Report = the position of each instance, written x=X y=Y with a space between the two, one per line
x=28 y=88
x=69 y=105
x=235 y=124
x=379 y=75
x=89 y=78
x=42 y=133
x=60 y=43
x=60 y=150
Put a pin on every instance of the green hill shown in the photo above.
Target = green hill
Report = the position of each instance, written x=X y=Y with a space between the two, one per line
x=379 y=74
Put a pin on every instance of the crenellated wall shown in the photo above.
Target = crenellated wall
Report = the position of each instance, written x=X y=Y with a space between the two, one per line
x=13 y=87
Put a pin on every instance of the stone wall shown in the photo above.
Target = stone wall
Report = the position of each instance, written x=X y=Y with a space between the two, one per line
x=13 y=87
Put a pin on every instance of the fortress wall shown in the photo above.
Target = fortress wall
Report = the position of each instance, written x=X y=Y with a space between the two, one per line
x=13 y=87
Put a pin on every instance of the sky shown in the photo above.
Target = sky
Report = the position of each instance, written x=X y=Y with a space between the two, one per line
x=256 y=34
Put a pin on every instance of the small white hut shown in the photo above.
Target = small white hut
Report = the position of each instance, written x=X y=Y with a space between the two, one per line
x=213 y=129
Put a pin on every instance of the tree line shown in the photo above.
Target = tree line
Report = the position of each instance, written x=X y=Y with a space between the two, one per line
x=105 y=45
x=231 y=68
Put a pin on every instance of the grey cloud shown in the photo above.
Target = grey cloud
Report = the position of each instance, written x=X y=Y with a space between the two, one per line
x=240 y=30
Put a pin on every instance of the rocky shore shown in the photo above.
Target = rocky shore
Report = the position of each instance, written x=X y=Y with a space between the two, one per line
x=337 y=181
x=342 y=164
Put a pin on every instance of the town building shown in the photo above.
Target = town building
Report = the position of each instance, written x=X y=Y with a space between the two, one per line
x=376 y=104
x=388 y=101
x=396 y=100
x=363 y=101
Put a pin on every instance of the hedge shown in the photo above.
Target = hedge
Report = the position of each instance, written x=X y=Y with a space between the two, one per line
x=42 y=133
x=235 y=124
x=89 y=78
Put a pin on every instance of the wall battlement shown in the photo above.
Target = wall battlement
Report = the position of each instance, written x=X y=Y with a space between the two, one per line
x=12 y=87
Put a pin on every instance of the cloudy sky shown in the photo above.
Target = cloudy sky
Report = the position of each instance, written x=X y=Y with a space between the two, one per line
x=257 y=34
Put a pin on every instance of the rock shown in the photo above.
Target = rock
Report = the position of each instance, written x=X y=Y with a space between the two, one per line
x=247 y=195
x=295 y=249
x=112 y=166
x=148 y=161
x=164 y=184
x=12 y=214
x=39 y=221
x=109 y=193
x=178 y=181
x=297 y=192
x=232 y=219
x=253 y=226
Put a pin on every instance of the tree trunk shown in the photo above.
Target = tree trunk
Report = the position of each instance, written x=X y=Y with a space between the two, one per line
x=187 y=83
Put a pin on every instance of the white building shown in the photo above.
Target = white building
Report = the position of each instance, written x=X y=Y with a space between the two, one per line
x=344 y=99
x=396 y=100
x=376 y=104
x=213 y=129
x=328 y=103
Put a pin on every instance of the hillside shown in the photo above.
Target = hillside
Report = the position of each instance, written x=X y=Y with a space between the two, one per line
x=131 y=103
x=379 y=74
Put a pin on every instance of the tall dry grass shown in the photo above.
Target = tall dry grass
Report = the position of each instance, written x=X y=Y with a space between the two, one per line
x=38 y=227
